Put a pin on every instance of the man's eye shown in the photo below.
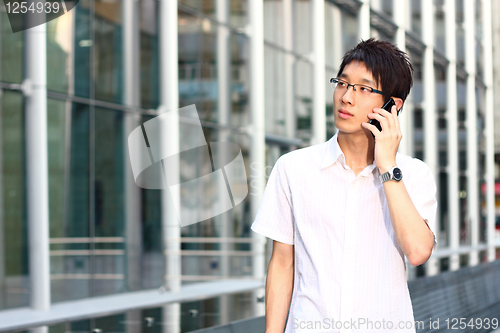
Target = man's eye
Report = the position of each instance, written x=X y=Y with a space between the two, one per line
x=342 y=84
x=365 y=89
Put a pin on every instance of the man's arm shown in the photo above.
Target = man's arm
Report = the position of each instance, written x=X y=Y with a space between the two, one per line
x=412 y=233
x=279 y=286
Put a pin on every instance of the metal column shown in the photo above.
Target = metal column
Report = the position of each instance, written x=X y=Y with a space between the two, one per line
x=398 y=8
x=337 y=45
x=490 y=128
x=257 y=134
x=364 y=30
x=471 y=126
x=318 y=49
x=131 y=98
x=37 y=166
x=429 y=103
x=452 y=137
x=169 y=101
x=224 y=221
x=289 y=79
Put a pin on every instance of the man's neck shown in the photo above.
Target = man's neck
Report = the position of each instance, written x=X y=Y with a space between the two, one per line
x=358 y=150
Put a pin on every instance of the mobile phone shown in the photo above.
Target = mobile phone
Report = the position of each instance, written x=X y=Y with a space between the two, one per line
x=387 y=106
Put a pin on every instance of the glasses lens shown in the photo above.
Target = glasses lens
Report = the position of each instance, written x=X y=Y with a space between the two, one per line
x=338 y=84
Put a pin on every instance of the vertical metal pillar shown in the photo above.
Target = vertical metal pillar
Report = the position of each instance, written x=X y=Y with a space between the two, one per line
x=319 y=84
x=131 y=98
x=452 y=137
x=429 y=94
x=490 y=128
x=257 y=132
x=35 y=94
x=289 y=79
x=471 y=125
x=224 y=221
x=399 y=7
x=169 y=101
x=338 y=50
x=364 y=31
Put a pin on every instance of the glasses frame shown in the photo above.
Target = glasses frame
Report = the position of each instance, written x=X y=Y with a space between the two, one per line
x=335 y=80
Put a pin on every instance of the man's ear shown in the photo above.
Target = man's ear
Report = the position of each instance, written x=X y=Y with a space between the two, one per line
x=399 y=102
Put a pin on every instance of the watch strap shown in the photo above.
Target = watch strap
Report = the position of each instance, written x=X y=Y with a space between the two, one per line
x=386 y=176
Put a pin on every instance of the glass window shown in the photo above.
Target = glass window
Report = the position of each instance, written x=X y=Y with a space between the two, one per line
x=149 y=53
x=69 y=194
x=350 y=31
x=83 y=47
x=14 y=283
x=60 y=53
x=275 y=93
x=197 y=69
x=206 y=7
x=108 y=51
x=109 y=201
x=274 y=22
x=303 y=99
x=439 y=28
x=238 y=14
x=416 y=16
x=302 y=19
x=11 y=48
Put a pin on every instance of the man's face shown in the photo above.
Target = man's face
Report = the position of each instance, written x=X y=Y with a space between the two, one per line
x=351 y=108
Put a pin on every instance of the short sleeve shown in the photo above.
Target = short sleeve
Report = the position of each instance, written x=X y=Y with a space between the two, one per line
x=423 y=194
x=275 y=216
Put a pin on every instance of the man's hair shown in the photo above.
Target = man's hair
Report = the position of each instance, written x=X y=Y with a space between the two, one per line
x=390 y=67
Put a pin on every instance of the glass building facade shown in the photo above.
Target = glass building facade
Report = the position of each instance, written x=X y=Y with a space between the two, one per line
x=109 y=69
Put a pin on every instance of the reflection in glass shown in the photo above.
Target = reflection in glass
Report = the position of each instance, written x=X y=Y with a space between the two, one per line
x=107 y=51
x=11 y=49
x=14 y=281
x=69 y=181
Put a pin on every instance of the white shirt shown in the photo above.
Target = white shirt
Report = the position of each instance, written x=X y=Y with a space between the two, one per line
x=348 y=264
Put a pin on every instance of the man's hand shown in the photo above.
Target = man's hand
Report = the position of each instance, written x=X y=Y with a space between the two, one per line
x=387 y=141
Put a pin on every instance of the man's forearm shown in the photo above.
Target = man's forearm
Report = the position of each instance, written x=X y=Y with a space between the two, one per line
x=279 y=287
x=412 y=233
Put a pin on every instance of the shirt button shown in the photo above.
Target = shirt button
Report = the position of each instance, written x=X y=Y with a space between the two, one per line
x=353 y=185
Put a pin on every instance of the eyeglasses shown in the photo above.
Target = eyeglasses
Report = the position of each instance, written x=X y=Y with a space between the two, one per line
x=341 y=85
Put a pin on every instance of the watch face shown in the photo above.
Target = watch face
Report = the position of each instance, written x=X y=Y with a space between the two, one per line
x=397 y=175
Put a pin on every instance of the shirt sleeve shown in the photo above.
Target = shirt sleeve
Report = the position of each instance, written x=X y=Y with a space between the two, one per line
x=275 y=216
x=423 y=194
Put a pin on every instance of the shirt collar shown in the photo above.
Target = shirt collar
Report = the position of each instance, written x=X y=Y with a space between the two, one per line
x=333 y=153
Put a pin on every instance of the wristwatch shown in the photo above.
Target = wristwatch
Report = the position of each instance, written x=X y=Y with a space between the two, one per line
x=393 y=174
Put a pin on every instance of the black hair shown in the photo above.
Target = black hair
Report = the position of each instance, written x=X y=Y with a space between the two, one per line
x=390 y=67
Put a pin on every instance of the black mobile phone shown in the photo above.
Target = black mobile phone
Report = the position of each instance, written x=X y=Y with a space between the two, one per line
x=387 y=106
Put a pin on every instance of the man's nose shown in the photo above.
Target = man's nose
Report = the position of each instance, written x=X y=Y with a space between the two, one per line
x=348 y=95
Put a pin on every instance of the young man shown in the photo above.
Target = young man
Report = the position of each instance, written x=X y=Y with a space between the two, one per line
x=345 y=213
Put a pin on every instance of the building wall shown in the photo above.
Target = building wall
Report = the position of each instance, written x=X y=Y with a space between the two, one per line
x=106 y=241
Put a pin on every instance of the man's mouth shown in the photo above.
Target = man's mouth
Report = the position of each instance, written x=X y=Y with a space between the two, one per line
x=344 y=114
